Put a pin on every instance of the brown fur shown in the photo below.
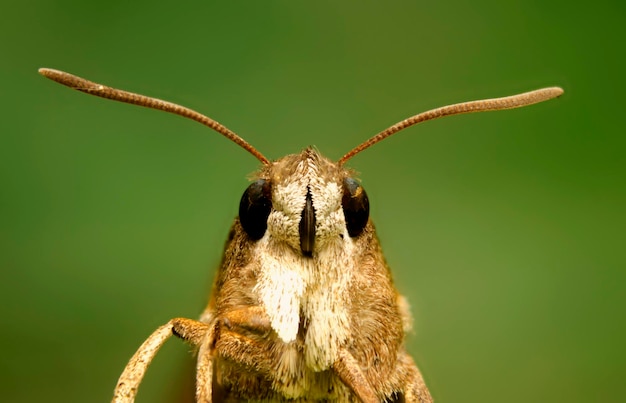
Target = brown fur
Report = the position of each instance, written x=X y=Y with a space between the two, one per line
x=246 y=356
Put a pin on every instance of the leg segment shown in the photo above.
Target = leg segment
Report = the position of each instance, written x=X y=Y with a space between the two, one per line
x=348 y=370
x=128 y=383
x=415 y=389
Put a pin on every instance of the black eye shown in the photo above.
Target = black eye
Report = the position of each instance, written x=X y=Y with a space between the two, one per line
x=356 y=206
x=255 y=207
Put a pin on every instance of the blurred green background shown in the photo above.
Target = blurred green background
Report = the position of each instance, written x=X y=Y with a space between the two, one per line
x=506 y=230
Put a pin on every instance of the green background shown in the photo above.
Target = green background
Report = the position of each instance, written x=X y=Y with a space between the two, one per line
x=506 y=231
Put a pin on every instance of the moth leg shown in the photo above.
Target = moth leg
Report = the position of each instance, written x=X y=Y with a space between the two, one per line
x=202 y=335
x=204 y=367
x=242 y=335
x=237 y=342
x=415 y=389
x=251 y=319
x=348 y=370
x=128 y=383
x=239 y=337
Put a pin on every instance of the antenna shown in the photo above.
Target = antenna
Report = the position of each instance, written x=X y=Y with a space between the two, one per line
x=115 y=94
x=485 y=105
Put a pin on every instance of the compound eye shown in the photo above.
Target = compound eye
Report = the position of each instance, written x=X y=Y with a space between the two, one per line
x=255 y=207
x=356 y=206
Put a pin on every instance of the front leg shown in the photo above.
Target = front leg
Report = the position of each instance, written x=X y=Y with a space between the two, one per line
x=243 y=338
x=415 y=388
x=349 y=371
x=193 y=331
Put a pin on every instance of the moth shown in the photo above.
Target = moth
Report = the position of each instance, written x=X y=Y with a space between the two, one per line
x=303 y=307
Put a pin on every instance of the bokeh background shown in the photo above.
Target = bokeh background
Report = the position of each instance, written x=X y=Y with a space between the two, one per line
x=505 y=230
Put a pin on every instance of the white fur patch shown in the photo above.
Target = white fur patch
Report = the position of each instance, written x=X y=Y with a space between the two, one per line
x=280 y=287
x=307 y=291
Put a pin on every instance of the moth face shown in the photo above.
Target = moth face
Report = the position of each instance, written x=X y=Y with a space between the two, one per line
x=304 y=201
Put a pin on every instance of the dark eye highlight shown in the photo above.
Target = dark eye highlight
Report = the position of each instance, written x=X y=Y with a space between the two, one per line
x=255 y=208
x=356 y=206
